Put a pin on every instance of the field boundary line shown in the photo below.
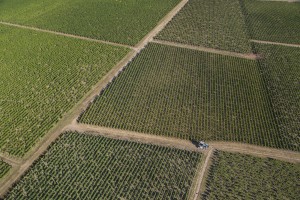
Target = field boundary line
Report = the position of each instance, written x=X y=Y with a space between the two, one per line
x=66 y=35
x=9 y=160
x=161 y=24
x=132 y=136
x=259 y=151
x=206 y=49
x=276 y=43
x=200 y=175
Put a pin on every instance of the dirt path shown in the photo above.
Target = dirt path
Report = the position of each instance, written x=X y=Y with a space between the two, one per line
x=66 y=35
x=210 y=50
x=70 y=117
x=276 y=43
x=201 y=173
x=10 y=161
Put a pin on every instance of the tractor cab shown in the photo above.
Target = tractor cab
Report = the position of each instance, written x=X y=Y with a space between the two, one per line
x=202 y=145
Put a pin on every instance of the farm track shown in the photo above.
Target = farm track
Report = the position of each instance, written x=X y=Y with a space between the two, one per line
x=66 y=35
x=276 y=43
x=285 y=155
x=210 y=50
x=71 y=116
x=201 y=174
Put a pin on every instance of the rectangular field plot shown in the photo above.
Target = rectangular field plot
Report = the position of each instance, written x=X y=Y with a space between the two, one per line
x=281 y=71
x=4 y=168
x=273 y=21
x=121 y=21
x=41 y=77
x=215 y=24
x=238 y=176
x=79 y=166
x=188 y=94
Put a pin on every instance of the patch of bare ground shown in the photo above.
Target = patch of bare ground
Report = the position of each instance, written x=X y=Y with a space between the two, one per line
x=276 y=43
x=210 y=50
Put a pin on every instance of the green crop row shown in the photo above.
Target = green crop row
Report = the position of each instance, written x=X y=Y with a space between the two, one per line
x=215 y=24
x=79 y=166
x=281 y=72
x=42 y=76
x=4 y=168
x=189 y=94
x=117 y=21
x=238 y=176
x=272 y=21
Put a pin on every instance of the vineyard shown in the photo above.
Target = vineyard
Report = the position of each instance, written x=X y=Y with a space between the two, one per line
x=273 y=21
x=4 y=168
x=50 y=75
x=281 y=72
x=188 y=94
x=215 y=24
x=238 y=176
x=79 y=166
x=118 y=21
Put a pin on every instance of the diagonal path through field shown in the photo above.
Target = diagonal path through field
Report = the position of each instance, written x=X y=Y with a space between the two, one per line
x=276 y=43
x=66 y=35
x=205 y=49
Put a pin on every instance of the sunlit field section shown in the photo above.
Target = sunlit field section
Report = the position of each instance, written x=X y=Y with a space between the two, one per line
x=238 y=176
x=79 y=166
x=4 y=168
x=42 y=76
x=215 y=24
x=273 y=21
x=121 y=21
x=280 y=68
x=188 y=94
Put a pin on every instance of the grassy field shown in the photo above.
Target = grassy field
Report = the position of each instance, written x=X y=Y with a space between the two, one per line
x=281 y=72
x=216 y=24
x=190 y=95
x=81 y=166
x=117 y=21
x=41 y=77
x=273 y=21
x=4 y=168
x=238 y=176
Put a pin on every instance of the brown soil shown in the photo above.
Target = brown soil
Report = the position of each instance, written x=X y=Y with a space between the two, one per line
x=210 y=50
x=276 y=43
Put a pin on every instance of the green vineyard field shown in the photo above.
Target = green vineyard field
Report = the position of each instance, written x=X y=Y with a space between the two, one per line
x=273 y=21
x=215 y=24
x=4 y=168
x=281 y=72
x=117 y=21
x=42 y=76
x=189 y=94
x=79 y=166
x=238 y=176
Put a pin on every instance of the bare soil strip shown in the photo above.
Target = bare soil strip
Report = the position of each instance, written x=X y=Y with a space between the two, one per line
x=10 y=161
x=201 y=173
x=276 y=43
x=280 y=154
x=132 y=136
x=210 y=50
x=71 y=116
x=66 y=35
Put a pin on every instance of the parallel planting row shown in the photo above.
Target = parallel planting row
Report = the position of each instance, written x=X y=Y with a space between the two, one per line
x=118 y=21
x=79 y=166
x=4 y=168
x=272 y=21
x=238 y=176
x=280 y=68
x=215 y=24
x=42 y=76
x=190 y=95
